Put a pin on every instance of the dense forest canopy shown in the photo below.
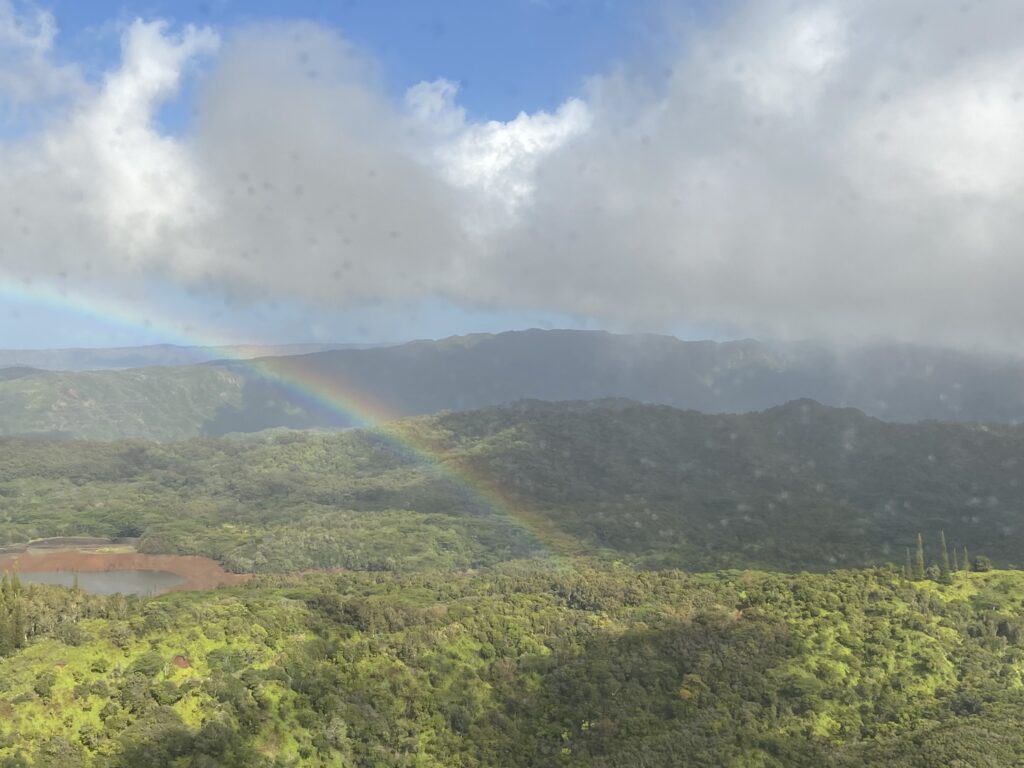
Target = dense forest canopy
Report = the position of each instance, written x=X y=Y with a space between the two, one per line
x=801 y=486
x=508 y=594
x=524 y=664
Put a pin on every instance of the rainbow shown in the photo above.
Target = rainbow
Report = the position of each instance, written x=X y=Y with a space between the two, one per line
x=296 y=375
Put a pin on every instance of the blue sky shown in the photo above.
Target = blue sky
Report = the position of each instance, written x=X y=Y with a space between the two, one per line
x=507 y=56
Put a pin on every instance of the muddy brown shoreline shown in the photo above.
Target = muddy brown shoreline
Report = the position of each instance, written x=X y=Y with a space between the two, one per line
x=198 y=572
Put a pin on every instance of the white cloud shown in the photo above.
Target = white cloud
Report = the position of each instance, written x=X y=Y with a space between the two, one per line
x=838 y=169
x=94 y=193
x=808 y=168
x=147 y=180
x=433 y=109
x=959 y=134
x=493 y=163
x=28 y=73
x=788 y=60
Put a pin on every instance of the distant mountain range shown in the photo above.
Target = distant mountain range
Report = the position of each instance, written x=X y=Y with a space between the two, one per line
x=893 y=382
x=86 y=359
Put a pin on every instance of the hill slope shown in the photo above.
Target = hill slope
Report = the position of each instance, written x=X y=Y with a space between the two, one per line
x=523 y=666
x=154 y=403
x=492 y=641
x=463 y=373
x=798 y=486
x=91 y=359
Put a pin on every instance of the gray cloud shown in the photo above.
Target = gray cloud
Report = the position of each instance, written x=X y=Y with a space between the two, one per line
x=837 y=169
x=846 y=169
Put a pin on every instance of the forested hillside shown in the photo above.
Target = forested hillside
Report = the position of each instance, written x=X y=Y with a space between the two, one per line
x=152 y=403
x=802 y=486
x=899 y=383
x=524 y=665
x=514 y=600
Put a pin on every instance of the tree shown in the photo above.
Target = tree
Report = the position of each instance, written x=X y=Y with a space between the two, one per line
x=18 y=624
x=44 y=683
x=956 y=565
x=919 y=559
x=982 y=564
x=7 y=643
x=944 y=571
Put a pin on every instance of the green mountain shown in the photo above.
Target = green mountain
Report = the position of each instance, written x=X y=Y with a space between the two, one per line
x=801 y=486
x=471 y=372
x=500 y=588
x=155 y=403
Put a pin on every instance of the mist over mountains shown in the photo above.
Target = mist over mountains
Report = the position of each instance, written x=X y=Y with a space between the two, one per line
x=892 y=382
x=87 y=359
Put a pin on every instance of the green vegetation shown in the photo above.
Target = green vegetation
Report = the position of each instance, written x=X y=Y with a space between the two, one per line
x=526 y=664
x=469 y=372
x=154 y=403
x=549 y=628
x=796 y=487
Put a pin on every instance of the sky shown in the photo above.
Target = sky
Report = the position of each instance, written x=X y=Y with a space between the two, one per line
x=222 y=171
x=479 y=46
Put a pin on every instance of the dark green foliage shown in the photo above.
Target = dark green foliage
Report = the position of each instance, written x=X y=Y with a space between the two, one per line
x=44 y=683
x=148 y=665
x=945 y=571
x=919 y=569
x=981 y=564
x=13 y=624
x=802 y=486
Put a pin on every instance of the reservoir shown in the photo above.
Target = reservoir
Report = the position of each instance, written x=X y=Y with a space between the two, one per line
x=127 y=582
x=127 y=571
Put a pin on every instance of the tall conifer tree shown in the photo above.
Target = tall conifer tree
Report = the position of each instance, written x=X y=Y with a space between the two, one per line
x=944 y=570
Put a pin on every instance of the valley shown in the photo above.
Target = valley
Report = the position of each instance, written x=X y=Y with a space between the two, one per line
x=802 y=486
x=596 y=583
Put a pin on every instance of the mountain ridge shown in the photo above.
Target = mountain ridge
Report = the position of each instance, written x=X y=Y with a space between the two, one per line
x=799 y=486
x=482 y=370
x=147 y=355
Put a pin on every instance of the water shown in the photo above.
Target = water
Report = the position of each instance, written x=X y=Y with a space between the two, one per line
x=143 y=583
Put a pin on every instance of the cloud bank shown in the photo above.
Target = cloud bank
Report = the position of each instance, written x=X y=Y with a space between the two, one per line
x=847 y=168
